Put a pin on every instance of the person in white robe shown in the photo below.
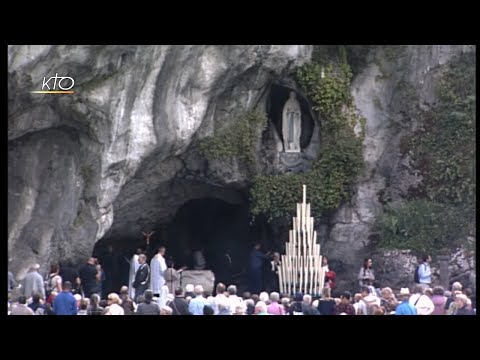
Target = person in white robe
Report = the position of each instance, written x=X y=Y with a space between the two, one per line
x=134 y=265
x=157 y=268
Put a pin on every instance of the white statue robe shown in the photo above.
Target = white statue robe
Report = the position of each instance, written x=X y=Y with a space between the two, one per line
x=157 y=269
x=134 y=265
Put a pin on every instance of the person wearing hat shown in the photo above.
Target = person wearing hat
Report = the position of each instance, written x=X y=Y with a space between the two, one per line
x=405 y=308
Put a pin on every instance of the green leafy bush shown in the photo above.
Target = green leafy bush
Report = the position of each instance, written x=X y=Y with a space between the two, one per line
x=442 y=210
x=236 y=141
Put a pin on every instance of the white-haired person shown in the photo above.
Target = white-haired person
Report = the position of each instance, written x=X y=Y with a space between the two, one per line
x=308 y=308
x=239 y=310
x=33 y=282
x=196 y=305
x=462 y=303
x=261 y=308
x=189 y=292
x=275 y=308
x=113 y=308
x=422 y=302
x=456 y=286
x=264 y=297
x=233 y=299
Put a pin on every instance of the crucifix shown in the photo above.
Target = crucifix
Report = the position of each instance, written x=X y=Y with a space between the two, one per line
x=147 y=236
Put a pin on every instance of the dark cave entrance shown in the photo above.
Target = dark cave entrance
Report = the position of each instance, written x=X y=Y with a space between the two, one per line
x=278 y=97
x=221 y=230
x=224 y=231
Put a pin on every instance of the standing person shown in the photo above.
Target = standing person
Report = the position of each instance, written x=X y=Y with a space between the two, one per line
x=425 y=273
x=68 y=272
x=365 y=275
x=65 y=303
x=172 y=276
x=54 y=280
x=89 y=277
x=109 y=261
x=134 y=265
x=127 y=302
x=34 y=282
x=438 y=300
x=179 y=305
x=114 y=307
x=421 y=302
x=273 y=281
x=101 y=281
x=158 y=267
x=405 y=308
x=329 y=274
x=257 y=259
x=196 y=305
x=142 y=277
x=148 y=307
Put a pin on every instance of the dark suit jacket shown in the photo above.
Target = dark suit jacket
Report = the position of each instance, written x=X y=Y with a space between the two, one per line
x=142 y=275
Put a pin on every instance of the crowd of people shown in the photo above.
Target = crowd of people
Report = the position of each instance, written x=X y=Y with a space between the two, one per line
x=155 y=290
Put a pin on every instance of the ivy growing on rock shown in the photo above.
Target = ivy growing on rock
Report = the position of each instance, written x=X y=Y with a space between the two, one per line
x=442 y=210
x=236 y=141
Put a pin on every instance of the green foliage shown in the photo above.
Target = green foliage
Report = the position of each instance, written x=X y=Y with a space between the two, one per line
x=444 y=149
x=329 y=93
x=442 y=210
x=340 y=160
x=423 y=226
x=235 y=141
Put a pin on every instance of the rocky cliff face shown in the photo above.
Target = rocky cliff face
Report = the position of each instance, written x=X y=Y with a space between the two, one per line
x=122 y=138
x=396 y=84
x=121 y=151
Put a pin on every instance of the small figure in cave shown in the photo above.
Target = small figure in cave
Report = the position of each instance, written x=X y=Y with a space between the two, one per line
x=199 y=262
x=147 y=237
x=222 y=268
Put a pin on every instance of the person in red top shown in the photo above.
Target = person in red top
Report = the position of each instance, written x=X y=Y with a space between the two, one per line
x=329 y=274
